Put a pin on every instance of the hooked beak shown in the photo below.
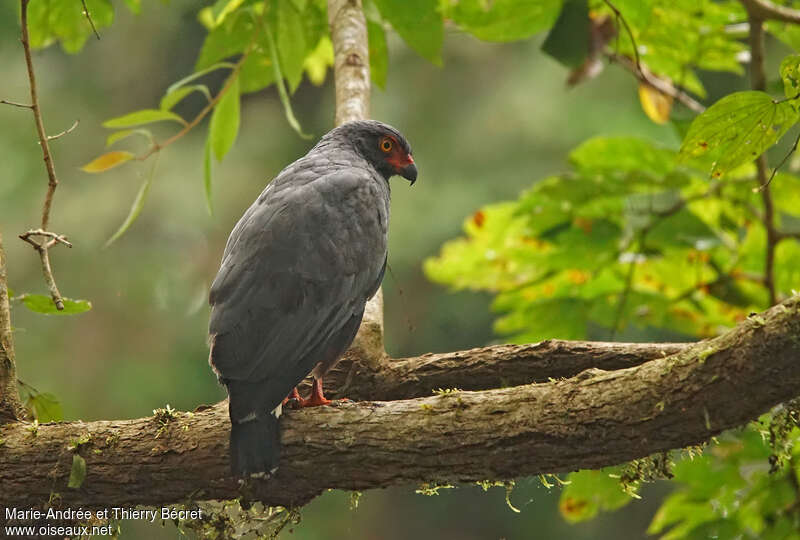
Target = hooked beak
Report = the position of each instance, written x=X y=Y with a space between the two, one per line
x=409 y=172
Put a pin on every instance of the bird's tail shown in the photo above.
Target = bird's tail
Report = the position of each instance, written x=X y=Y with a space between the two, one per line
x=255 y=435
x=255 y=446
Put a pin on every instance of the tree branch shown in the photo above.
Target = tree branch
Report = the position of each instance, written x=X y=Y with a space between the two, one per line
x=758 y=81
x=10 y=406
x=52 y=182
x=766 y=10
x=483 y=368
x=595 y=419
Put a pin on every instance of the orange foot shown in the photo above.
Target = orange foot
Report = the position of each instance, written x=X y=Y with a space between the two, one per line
x=317 y=397
x=294 y=399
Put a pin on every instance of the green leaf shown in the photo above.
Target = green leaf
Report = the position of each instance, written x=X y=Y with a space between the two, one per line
x=41 y=303
x=737 y=129
x=135 y=6
x=318 y=61
x=145 y=116
x=207 y=173
x=228 y=39
x=501 y=20
x=136 y=207
x=419 y=23
x=45 y=407
x=223 y=8
x=601 y=154
x=568 y=40
x=378 y=53
x=256 y=72
x=589 y=492
x=287 y=104
x=107 y=161
x=125 y=133
x=196 y=75
x=77 y=474
x=290 y=37
x=790 y=74
x=225 y=120
x=176 y=96
x=64 y=21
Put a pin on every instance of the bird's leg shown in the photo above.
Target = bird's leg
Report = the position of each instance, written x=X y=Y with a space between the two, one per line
x=317 y=398
x=294 y=398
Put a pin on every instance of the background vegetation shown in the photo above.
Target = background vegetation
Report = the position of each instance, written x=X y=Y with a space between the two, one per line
x=613 y=238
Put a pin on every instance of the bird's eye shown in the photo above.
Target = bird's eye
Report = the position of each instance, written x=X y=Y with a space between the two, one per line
x=386 y=144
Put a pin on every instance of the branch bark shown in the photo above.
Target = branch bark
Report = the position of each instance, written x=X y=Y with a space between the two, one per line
x=595 y=419
x=766 y=10
x=483 y=368
x=10 y=406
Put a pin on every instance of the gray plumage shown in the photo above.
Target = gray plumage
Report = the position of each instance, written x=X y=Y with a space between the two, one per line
x=296 y=273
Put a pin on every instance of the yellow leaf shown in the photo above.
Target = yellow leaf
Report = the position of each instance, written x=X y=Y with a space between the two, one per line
x=656 y=104
x=107 y=161
x=316 y=64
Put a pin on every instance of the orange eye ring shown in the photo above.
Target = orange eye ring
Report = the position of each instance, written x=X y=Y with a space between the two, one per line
x=386 y=144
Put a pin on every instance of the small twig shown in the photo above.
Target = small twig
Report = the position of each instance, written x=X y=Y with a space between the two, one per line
x=758 y=81
x=54 y=237
x=65 y=132
x=623 y=298
x=775 y=170
x=621 y=19
x=48 y=160
x=52 y=183
x=644 y=75
x=89 y=18
x=15 y=104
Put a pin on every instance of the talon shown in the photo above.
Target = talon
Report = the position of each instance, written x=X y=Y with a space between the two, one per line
x=317 y=397
x=293 y=400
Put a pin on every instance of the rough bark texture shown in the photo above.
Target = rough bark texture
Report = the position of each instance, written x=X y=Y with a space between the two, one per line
x=594 y=419
x=10 y=406
x=348 y=28
x=483 y=368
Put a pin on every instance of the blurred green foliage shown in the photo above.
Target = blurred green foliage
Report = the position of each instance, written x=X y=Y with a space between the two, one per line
x=632 y=241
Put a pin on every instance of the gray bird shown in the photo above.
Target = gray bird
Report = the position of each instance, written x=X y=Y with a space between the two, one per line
x=295 y=276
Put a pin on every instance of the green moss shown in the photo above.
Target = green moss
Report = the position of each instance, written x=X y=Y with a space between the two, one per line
x=75 y=444
x=163 y=417
x=430 y=489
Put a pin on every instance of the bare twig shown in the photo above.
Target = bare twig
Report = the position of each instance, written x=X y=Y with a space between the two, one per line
x=89 y=18
x=48 y=161
x=766 y=10
x=15 y=104
x=783 y=161
x=642 y=73
x=65 y=132
x=54 y=238
x=621 y=19
x=758 y=81
x=645 y=76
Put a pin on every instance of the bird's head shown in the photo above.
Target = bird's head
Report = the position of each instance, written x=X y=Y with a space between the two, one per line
x=383 y=146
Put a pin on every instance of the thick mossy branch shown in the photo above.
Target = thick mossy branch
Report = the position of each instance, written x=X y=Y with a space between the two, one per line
x=593 y=419
x=482 y=368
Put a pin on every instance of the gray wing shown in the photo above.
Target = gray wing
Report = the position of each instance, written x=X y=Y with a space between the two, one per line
x=301 y=262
